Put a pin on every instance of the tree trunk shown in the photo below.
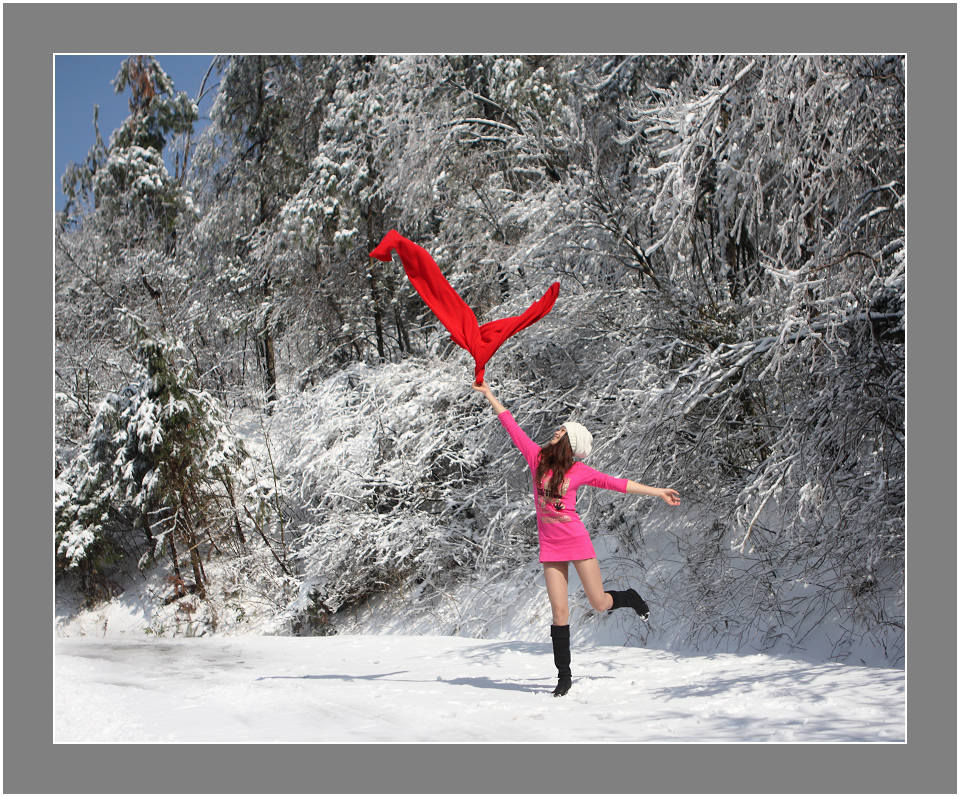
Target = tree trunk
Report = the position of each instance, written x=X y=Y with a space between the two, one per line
x=173 y=556
x=502 y=281
x=377 y=311
x=198 y=576
x=271 y=369
x=197 y=571
x=236 y=517
x=402 y=339
x=269 y=351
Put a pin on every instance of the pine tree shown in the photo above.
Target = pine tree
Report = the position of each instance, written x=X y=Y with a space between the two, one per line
x=159 y=465
x=128 y=180
x=117 y=239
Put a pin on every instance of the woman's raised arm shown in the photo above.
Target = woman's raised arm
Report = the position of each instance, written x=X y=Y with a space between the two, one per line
x=484 y=388
x=527 y=447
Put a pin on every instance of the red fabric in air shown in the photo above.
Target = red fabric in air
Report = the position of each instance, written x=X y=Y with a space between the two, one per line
x=453 y=312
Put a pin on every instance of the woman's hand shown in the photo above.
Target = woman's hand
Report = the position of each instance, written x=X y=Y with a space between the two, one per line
x=672 y=497
x=484 y=388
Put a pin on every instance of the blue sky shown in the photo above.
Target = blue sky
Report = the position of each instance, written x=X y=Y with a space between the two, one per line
x=82 y=81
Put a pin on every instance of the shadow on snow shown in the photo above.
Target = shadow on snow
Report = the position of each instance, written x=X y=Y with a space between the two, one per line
x=533 y=685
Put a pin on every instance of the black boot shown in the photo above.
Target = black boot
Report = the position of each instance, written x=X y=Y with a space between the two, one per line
x=629 y=598
x=560 y=635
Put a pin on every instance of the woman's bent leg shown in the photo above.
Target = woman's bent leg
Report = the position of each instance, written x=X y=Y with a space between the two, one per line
x=589 y=572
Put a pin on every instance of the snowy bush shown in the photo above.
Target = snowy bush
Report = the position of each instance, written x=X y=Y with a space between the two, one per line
x=384 y=477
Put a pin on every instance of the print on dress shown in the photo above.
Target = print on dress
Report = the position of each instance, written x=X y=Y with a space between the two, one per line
x=550 y=503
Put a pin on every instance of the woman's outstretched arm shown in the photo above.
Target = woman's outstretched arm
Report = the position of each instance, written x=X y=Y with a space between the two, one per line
x=672 y=497
x=600 y=479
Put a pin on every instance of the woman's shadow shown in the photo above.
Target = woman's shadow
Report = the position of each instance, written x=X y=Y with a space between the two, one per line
x=533 y=685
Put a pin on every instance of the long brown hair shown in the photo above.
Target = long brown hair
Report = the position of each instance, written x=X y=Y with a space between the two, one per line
x=556 y=457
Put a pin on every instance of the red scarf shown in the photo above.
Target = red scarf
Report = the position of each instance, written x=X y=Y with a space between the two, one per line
x=453 y=312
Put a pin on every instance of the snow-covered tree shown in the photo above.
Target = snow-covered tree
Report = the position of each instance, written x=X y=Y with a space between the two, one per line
x=336 y=217
x=247 y=163
x=116 y=240
x=159 y=465
x=769 y=223
x=128 y=180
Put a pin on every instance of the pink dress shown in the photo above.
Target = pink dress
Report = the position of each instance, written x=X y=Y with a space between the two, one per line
x=563 y=537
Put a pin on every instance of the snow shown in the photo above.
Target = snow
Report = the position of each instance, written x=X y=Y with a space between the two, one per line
x=395 y=688
x=473 y=665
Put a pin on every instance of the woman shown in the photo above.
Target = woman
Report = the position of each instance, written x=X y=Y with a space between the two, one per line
x=563 y=537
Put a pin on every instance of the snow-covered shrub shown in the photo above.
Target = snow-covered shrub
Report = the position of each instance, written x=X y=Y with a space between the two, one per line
x=395 y=477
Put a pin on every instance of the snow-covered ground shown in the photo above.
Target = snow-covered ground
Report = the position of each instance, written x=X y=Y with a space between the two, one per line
x=393 y=688
x=472 y=665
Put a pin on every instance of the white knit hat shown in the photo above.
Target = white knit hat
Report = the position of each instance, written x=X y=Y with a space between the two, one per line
x=581 y=441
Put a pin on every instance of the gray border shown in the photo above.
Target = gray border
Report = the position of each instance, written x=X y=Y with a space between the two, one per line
x=926 y=32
